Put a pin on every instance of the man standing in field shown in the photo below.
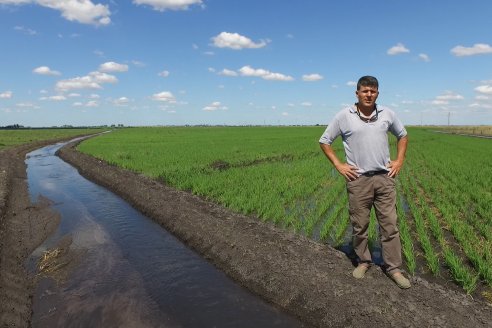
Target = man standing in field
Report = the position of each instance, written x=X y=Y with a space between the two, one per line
x=370 y=173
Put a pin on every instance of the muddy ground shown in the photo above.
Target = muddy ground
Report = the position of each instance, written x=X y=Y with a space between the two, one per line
x=23 y=227
x=310 y=280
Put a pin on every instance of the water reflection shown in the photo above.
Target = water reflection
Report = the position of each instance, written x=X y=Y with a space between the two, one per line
x=128 y=271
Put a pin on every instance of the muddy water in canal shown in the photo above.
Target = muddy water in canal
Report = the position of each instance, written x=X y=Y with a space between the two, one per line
x=107 y=265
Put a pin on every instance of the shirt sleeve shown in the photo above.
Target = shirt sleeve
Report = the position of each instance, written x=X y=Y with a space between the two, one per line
x=332 y=132
x=397 y=128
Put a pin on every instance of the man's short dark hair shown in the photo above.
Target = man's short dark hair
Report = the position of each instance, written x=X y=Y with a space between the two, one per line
x=368 y=81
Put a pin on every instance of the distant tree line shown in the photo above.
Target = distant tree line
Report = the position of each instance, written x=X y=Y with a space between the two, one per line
x=12 y=127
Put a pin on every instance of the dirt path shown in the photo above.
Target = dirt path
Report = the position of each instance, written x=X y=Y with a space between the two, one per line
x=308 y=279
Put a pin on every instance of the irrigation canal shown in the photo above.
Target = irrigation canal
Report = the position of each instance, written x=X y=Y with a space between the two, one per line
x=128 y=272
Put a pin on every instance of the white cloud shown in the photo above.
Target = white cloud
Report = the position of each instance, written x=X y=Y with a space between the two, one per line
x=54 y=98
x=312 y=77
x=163 y=73
x=285 y=114
x=26 y=105
x=480 y=106
x=45 y=70
x=424 y=57
x=92 y=103
x=351 y=83
x=84 y=82
x=113 y=67
x=445 y=98
x=91 y=81
x=264 y=74
x=58 y=98
x=165 y=96
x=216 y=105
x=99 y=77
x=77 y=104
x=73 y=94
x=82 y=11
x=249 y=71
x=228 y=72
x=94 y=96
x=306 y=104
x=485 y=89
x=439 y=102
x=24 y=29
x=482 y=97
x=236 y=41
x=138 y=63
x=162 y=5
x=6 y=95
x=398 y=49
x=477 y=49
x=122 y=101
x=449 y=95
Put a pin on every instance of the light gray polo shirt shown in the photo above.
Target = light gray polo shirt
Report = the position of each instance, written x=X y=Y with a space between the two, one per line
x=366 y=144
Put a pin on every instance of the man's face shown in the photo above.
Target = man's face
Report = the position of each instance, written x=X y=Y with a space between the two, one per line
x=367 y=96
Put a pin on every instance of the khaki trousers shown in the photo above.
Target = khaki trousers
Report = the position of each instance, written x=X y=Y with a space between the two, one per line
x=378 y=191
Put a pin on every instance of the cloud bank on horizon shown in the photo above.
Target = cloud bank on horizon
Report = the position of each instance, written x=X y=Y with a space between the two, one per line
x=175 y=62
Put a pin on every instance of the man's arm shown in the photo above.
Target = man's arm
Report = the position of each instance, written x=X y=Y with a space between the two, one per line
x=348 y=171
x=396 y=165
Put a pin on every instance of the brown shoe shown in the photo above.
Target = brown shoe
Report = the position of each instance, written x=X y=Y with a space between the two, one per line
x=360 y=271
x=400 y=280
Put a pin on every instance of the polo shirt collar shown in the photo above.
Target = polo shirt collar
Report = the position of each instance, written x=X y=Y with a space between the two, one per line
x=353 y=109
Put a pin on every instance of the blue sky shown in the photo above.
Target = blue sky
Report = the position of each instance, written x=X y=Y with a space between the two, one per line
x=176 y=62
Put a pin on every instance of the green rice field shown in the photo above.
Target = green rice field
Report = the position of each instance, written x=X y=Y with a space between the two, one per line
x=280 y=175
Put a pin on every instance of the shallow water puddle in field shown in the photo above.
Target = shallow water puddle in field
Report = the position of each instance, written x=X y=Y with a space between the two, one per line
x=107 y=265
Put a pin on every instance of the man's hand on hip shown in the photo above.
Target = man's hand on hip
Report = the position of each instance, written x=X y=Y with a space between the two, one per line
x=348 y=171
x=394 y=167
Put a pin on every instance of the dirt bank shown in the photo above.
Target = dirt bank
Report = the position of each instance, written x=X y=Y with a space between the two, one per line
x=23 y=227
x=308 y=279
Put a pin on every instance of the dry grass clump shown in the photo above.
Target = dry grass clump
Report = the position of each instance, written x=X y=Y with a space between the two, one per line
x=50 y=261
